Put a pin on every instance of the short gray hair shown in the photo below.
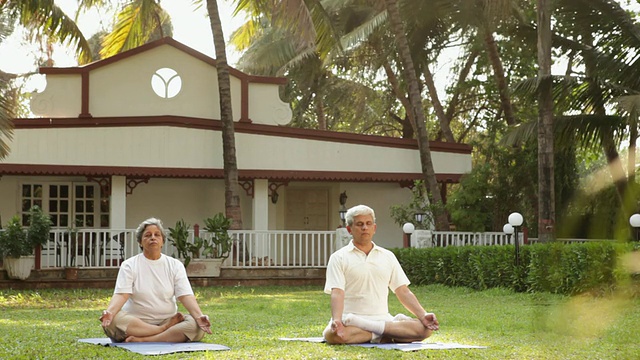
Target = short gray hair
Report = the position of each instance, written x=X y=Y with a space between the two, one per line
x=357 y=211
x=150 y=221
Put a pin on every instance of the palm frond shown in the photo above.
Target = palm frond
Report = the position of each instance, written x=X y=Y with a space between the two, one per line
x=45 y=17
x=584 y=130
x=135 y=24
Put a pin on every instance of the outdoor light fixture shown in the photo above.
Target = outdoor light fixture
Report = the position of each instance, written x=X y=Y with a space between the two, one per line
x=343 y=213
x=419 y=217
x=343 y=210
x=508 y=230
x=516 y=220
x=408 y=228
x=343 y=198
x=634 y=221
x=274 y=197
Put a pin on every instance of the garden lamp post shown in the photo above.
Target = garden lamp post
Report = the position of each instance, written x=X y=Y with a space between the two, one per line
x=634 y=221
x=408 y=229
x=515 y=220
x=508 y=230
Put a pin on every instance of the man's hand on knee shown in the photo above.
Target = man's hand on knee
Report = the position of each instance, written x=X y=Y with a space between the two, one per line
x=338 y=328
x=430 y=321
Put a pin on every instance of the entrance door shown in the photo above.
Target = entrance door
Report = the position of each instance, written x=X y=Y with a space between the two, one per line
x=307 y=210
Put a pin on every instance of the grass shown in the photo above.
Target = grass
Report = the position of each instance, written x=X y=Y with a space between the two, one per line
x=46 y=324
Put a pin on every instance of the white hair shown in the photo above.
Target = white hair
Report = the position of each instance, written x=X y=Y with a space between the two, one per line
x=357 y=211
x=150 y=221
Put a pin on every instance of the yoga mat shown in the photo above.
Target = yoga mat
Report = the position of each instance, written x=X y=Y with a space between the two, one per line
x=414 y=346
x=156 y=348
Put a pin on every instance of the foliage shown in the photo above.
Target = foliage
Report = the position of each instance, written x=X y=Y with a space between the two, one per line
x=218 y=242
x=17 y=241
x=512 y=325
x=502 y=181
x=39 y=227
x=215 y=244
x=402 y=214
x=13 y=240
x=553 y=267
x=179 y=238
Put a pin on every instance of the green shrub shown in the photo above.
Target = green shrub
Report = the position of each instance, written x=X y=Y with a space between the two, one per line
x=554 y=267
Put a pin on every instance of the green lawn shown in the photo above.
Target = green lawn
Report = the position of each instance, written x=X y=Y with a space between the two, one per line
x=48 y=323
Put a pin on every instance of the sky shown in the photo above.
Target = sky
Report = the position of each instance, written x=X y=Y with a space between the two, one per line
x=190 y=27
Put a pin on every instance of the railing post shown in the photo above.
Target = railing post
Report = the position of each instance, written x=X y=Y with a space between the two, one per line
x=38 y=252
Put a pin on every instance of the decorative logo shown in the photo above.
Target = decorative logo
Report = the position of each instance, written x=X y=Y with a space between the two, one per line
x=166 y=83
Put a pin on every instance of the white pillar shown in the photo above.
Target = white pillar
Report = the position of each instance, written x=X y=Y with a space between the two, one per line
x=261 y=216
x=118 y=214
x=421 y=239
x=118 y=203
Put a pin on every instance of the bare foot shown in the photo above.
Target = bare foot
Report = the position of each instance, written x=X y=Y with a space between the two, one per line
x=175 y=319
x=131 y=339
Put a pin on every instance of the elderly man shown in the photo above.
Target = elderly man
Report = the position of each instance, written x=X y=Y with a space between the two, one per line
x=359 y=277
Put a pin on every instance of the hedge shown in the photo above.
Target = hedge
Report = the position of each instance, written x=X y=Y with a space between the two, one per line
x=553 y=267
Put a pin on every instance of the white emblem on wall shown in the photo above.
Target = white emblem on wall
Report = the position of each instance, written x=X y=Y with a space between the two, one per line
x=166 y=83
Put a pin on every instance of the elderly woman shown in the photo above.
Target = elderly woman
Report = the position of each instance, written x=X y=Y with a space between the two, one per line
x=143 y=306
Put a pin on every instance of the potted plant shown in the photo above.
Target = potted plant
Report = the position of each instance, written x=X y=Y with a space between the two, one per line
x=204 y=256
x=179 y=238
x=17 y=245
x=219 y=243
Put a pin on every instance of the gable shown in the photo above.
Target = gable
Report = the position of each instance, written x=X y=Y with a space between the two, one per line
x=160 y=78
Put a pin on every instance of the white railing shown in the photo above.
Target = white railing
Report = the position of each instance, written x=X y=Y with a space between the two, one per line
x=428 y=238
x=107 y=248
x=268 y=248
x=99 y=248
x=88 y=248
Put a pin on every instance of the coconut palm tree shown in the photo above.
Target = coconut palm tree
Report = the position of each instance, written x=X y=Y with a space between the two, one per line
x=6 y=107
x=395 y=21
x=231 y=196
x=546 y=186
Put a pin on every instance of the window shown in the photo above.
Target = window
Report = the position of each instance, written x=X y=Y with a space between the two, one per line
x=32 y=194
x=67 y=203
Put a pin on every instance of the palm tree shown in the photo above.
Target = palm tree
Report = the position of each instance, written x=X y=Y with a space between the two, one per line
x=231 y=197
x=442 y=223
x=546 y=192
x=6 y=108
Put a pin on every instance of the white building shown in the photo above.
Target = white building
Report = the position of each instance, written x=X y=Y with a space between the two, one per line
x=138 y=135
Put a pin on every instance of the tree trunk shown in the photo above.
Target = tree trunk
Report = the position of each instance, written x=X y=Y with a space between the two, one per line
x=445 y=128
x=231 y=196
x=546 y=183
x=498 y=74
x=395 y=86
x=442 y=221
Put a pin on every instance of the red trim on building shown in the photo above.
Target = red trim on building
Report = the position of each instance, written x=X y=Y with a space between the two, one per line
x=273 y=175
x=240 y=127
